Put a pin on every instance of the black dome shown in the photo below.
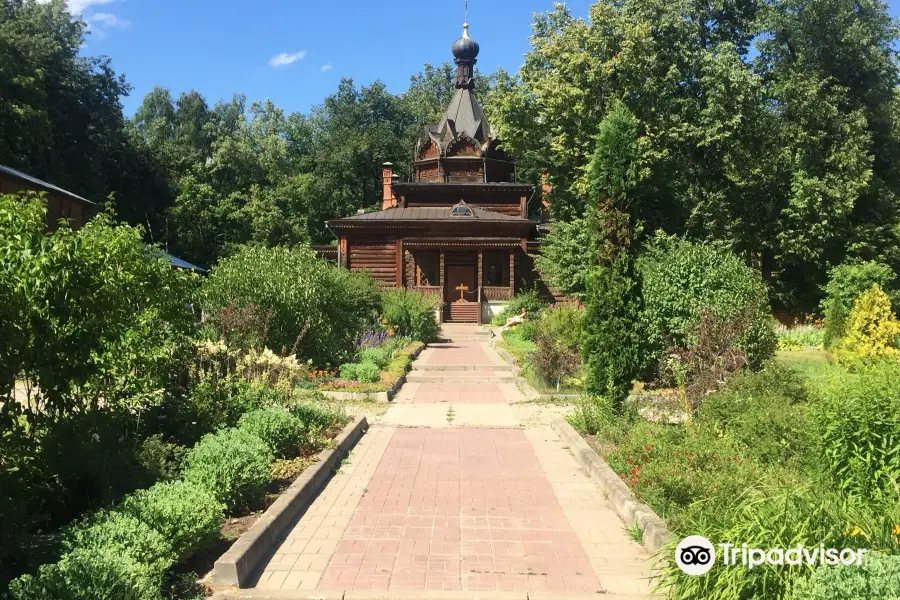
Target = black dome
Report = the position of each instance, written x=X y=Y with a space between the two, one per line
x=466 y=47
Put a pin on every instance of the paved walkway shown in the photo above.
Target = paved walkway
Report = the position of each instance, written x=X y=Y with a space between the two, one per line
x=453 y=493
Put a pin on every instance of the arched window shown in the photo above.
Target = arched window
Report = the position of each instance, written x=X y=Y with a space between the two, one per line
x=461 y=210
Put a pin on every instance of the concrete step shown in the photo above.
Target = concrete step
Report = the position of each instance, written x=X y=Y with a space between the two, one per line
x=426 y=367
x=417 y=376
x=468 y=337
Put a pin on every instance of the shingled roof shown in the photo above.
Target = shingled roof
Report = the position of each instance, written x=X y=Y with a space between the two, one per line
x=440 y=213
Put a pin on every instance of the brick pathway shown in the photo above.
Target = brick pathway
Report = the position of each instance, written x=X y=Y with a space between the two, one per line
x=455 y=506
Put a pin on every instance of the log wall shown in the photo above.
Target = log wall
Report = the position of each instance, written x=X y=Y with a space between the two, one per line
x=376 y=257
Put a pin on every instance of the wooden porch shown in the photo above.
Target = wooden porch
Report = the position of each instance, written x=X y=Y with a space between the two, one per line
x=465 y=281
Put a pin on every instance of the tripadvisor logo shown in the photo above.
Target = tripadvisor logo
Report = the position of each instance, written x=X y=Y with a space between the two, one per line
x=696 y=555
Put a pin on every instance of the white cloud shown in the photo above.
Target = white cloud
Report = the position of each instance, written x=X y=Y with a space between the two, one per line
x=284 y=59
x=99 y=24
x=77 y=7
x=108 y=20
x=327 y=67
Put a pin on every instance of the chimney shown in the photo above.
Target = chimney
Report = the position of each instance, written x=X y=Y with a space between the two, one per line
x=388 y=200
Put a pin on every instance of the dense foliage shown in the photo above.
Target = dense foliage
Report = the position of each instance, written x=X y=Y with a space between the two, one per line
x=681 y=280
x=769 y=127
x=233 y=464
x=307 y=307
x=411 y=314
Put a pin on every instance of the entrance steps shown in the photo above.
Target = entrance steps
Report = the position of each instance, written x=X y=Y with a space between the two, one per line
x=466 y=368
x=457 y=332
x=458 y=375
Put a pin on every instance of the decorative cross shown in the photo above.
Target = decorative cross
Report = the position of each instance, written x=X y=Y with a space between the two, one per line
x=463 y=288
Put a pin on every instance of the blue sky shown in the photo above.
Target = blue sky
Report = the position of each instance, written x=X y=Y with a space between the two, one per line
x=295 y=51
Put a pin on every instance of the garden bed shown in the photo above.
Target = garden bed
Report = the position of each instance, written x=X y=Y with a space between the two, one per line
x=391 y=379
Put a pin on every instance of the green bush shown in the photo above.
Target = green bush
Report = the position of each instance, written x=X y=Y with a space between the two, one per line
x=91 y=460
x=780 y=516
x=187 y=515
x=681 y=280
x=319 y=413
x=529 y=300
x=859 y=421
x=307 y=302
x=348 y=371
x=126 y=533
x=877 y=577
x=767 y=413
x=368 y=372
x=103 y=573
x=835 y=323
x=380 y=356
x=411 y=314
x=283 y=432
x=558 y=339
x=233 y=465
x=849 y=281
x=89 y=313
x=612 y=349
x=800 y=337
x=161 y=459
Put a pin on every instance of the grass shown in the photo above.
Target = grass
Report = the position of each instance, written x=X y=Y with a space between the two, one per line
x=521 y=349
x=636 y=532
x=811 y=363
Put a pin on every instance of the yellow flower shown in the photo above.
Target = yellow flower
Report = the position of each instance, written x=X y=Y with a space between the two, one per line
x=896 y=529
x=856 y=531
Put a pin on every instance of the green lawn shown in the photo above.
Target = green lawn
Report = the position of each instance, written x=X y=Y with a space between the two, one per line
x=812 y=363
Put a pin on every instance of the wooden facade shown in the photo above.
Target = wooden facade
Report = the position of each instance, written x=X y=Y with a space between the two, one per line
x=61 y=204
x=460 y=230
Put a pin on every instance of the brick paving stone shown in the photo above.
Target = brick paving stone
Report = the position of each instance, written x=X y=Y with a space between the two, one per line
x=474 y=512
x=459 y=393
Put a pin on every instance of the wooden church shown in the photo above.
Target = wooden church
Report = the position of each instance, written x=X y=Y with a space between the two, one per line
x=460 y=230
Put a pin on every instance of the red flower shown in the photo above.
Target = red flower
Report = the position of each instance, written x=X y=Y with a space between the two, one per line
x=630 y=461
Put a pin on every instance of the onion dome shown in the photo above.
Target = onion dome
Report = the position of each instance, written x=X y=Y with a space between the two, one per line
x=465 y=48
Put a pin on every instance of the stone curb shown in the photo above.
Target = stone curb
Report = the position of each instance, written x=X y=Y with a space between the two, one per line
x=239 y=564
x=378 y=396
x=631 y=511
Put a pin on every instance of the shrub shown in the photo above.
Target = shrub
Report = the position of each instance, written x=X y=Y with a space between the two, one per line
x=592 y=414
x=91 y=460
x=125 y=533
x=680 y=280
x=87 y=314
x=859 y=421
x=319 y=414
x=764 y=516
x=186 y=514
x=368 y=372
x=714 y=357
x=161 y=459
x=232 y=464
x=283 y=432
x=411 y=314
x=310 y=305
x=612 y=349
x=91 y=574
x=849 y=281
x=215 y=401
x=835 y=323
x=766 y=412
x=800 y=337
x=872 y=328
x=563 y=323
x=380 y=356
x=554 y=359
x=529 y=300
x=348 y=371
x=877 y=577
